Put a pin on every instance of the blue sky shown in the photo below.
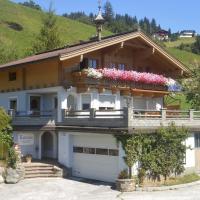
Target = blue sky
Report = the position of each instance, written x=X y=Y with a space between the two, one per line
x=176 y=14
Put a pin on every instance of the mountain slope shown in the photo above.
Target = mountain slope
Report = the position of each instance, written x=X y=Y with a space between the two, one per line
x=19 y=26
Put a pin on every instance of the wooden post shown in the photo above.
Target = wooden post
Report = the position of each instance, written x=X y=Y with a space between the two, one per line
x=164 y=113
x=191 y=114
x=92 y=113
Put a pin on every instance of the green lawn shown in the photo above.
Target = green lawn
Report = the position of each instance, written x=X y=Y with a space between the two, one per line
x=71 y=31
x=187 y=58
x=178 y=42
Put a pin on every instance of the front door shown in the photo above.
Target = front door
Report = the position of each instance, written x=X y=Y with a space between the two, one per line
x=47 y=145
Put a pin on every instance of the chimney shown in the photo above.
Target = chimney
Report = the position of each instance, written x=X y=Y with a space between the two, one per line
x=99 y=21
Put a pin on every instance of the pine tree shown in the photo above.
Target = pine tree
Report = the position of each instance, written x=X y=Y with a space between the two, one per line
x=48 y=37
x=108 y=12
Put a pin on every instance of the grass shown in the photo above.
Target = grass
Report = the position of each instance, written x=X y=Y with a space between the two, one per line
x=187 y=58
x=178 y=99
x=71 y=31
x=188 y=178
x=180 y=41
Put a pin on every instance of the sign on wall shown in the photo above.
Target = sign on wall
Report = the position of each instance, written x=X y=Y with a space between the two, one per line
x=25 y=139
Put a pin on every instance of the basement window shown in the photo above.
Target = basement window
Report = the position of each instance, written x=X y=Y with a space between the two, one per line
x=113 y=152
x=78 y=149
x=12 y=76
x=102 y=151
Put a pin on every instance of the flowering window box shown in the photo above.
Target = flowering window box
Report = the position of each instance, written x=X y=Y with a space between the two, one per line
x=122 y=78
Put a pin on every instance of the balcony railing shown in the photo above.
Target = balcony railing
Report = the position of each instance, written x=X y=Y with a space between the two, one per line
x=124 y=118
x=47 y=117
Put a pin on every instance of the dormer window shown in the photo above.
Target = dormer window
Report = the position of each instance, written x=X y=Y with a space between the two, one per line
x=12 y=76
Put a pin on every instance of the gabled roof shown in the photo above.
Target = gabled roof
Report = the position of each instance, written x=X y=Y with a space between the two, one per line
x=90 y=46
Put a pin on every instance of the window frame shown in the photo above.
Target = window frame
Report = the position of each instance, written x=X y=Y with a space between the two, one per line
x=12 y=76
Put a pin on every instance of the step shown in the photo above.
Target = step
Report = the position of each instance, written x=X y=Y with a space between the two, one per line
x=42 y=176
x=38 y=168
x=40 y=172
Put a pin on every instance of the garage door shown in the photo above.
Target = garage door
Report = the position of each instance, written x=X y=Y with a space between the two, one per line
x=95 y=157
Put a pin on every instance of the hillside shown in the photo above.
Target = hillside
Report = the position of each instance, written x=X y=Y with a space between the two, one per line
x=188 y=58
x=19 y=26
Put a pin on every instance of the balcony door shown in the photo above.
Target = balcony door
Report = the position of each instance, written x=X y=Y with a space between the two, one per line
x=35 y=105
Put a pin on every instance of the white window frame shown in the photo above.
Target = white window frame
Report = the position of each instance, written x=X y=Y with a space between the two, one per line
x=13 y=98
x=108 y=95
x=81 y=99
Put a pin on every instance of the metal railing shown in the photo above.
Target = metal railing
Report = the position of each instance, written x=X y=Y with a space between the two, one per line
x=41 y=113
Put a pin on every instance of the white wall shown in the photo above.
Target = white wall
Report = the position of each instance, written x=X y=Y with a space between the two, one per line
x=29 y=149
x=190 y=153
x=65 y=149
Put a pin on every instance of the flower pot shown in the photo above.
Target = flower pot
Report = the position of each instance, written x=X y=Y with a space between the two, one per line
x=125 y=185
x=28 y=158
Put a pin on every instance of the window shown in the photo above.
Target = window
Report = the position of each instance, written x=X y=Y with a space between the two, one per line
x=113 y=152
x=102 y=151
x=197 y=140
x=97 y=151
x=106 y=102
x=112 y=65
x=88 y=150
x=13 y=104
x=78 y=149
x=55 y=103
x=12 y=76
x=92 y=63
x=86 y=101
x=121 y=66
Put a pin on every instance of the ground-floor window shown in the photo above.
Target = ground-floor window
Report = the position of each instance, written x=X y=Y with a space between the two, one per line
x=97 y=151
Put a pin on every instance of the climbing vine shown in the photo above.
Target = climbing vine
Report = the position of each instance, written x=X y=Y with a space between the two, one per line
x=159 y=154
x=6 y=138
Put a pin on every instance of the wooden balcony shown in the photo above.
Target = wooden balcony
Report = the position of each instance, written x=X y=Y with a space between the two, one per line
x=83 y=83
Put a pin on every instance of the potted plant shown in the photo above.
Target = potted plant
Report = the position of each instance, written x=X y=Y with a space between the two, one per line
x=126 y=182
x=28 y=158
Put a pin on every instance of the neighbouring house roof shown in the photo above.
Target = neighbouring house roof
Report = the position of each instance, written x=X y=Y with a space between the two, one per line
x=188 y=32
x=162 y=32
x=68 y=52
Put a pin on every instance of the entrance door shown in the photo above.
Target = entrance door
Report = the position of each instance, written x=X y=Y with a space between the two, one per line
x=47 y=145
x=35 y=104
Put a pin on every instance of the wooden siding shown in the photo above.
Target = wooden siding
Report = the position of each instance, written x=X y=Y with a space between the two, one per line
x=35 y=75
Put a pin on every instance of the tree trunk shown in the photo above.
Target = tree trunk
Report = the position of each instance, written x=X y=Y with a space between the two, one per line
x=130 y=172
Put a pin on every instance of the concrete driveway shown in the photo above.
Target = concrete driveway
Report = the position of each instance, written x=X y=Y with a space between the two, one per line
x=63 y=189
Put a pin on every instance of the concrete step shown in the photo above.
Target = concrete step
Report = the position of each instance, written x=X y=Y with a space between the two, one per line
x=39 y=170
x=42 y=176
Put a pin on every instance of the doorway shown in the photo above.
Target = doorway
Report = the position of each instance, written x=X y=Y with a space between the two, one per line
x=47 y=145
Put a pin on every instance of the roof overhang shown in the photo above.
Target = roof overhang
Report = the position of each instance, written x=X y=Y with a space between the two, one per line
x=123 y=38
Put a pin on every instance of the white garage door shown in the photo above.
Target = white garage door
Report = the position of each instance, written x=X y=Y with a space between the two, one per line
x=95 y=157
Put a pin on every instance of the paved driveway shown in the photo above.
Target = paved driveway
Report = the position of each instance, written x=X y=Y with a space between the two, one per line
x=63 y=189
